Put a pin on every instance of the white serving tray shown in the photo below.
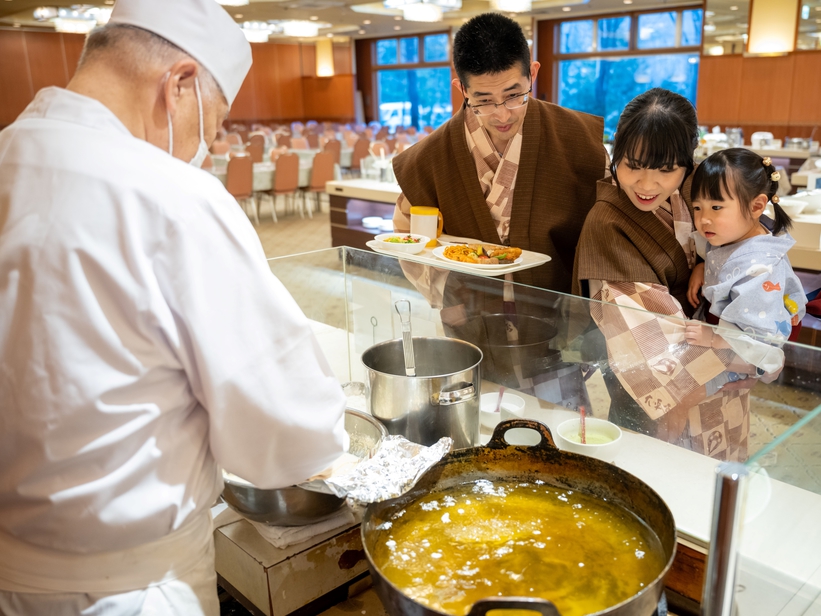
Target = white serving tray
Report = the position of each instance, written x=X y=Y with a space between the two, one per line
x=529 y=259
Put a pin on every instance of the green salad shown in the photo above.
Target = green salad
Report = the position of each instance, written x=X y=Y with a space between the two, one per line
x=405 y=239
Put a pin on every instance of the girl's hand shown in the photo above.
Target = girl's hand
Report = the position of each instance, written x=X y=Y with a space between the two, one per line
x=698 y=334
x=696 y=282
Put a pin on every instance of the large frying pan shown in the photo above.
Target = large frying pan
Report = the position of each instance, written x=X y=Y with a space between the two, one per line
x=500 y=461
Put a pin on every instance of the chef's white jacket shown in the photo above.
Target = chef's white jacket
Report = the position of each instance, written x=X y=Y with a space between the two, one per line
x=144 y=342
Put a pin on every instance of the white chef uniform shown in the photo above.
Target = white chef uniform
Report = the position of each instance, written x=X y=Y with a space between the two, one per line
x=144 y=343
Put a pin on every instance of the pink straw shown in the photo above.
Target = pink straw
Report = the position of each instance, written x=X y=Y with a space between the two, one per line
x=499 y=402
x=582 y=431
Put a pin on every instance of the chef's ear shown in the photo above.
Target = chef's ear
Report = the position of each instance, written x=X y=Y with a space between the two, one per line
x=178 y=78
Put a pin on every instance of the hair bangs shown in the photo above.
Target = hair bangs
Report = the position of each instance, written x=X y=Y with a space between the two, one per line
x=711 y=181
x=654 y=143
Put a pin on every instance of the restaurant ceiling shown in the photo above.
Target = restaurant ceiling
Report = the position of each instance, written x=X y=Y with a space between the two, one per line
x=349 y=22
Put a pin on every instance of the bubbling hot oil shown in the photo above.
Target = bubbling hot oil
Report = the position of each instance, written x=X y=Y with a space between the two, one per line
x=483 y=539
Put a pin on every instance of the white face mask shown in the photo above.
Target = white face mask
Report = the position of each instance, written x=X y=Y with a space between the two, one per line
x=202 y=149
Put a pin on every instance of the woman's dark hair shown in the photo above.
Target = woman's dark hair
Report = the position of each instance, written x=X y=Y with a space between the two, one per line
x=656 y=130
x=489 y=43
x=742 y=174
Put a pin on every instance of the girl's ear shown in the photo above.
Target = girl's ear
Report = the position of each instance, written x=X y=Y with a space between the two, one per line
x=758 y=205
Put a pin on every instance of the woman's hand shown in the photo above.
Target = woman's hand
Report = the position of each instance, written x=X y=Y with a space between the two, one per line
x=696 y=282
x=698 y=333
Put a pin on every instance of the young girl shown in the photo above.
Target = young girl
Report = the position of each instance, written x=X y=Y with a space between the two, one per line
x=747 y=278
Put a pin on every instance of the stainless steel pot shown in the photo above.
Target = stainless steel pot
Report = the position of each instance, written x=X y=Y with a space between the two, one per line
x=441 y=400
x=295 y=506
x=544 y=462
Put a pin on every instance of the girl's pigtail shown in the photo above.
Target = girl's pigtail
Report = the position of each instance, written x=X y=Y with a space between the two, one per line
x=782 y=221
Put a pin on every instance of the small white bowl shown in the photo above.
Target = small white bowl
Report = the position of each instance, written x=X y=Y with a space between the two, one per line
x=512 y=406
x=372 y=222
x=408 y=249
x=604 y=438
x=812 y=198
x=792 y=207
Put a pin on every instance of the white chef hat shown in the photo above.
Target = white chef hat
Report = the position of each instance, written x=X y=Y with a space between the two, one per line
x=201 y=28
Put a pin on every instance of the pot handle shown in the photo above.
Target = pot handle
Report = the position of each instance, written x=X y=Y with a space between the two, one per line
x=497 y=441
x=463 y=394
x=543 y=606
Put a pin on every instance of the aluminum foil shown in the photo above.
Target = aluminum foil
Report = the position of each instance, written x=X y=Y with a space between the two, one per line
x=393 y=470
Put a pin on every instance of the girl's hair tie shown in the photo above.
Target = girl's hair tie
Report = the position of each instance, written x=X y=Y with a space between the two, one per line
x=775 y=200
x=767 y=161
x=775 y=176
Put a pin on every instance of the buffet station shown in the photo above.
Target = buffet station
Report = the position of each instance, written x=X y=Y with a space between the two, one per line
x=471 y=487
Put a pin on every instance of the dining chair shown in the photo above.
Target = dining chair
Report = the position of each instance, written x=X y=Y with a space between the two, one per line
x=284 y=140
x=378 y=148
x=234 y=139
x=334 y=147
x=220 y=147
x=360 y=151
x=322 y=172
x=299 y=143
x=256 y=151
x=313 y=140
x=239 y=182
x=286 y=179
x=351 y=138
x=382 y=133
x=391 y=143
x=257 y=137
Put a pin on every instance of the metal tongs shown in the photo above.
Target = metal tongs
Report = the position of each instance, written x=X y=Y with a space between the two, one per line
x=407 y=340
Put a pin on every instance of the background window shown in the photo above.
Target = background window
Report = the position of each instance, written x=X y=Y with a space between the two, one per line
x=409 y=50
x=604 y=86
x=577 y=36
x=414 y=97
x=614 y=33
x=436 y=48
x=657 y=30
x=691 y=27
x=386 y=52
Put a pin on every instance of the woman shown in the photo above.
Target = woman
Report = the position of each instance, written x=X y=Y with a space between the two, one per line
x=635 y=252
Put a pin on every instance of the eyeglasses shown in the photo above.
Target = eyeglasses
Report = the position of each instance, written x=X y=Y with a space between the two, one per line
x=512 y=102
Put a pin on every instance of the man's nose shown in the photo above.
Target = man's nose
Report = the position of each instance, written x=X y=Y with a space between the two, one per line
x=503 y=113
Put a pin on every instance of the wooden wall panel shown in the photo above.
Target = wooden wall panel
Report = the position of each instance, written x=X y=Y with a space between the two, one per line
x=544 y=55
x=73 y=48
x=289 y=83
x=365 y=78
x=47 y=60
x=244 y=107
x=266 y=81
x=805 y=104
x=719 y=88
x=329 y=98
x=15 y=79
x=766 y=86
x=308 y=59
x=343 y=64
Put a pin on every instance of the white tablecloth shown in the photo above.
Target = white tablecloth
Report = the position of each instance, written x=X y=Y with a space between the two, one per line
x=264 y=175
x=308 y=156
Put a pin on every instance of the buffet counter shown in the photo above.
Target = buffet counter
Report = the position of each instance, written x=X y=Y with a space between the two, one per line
x=354 y=200
x=349 y=295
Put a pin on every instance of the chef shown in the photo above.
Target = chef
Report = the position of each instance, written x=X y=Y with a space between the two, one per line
x=144 y=342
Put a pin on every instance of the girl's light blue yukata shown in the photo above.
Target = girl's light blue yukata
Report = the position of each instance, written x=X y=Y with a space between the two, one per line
x=754 y=292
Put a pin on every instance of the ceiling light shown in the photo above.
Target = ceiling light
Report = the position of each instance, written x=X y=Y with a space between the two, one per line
x=397 y=18
x=734 y=8
x=566 y=9
x=313 y=18
x=361 y=32
x=709 y=27
x=709 y=13
x=79 y=19
x=367 y=22
x=628 y=1
x=239 y=16
x=233 y=2
x=512 y=6
x=300 y=28
x=73 y=26
x=397 y=27
x=716 y=50
x=422 y=11
x=257 y=31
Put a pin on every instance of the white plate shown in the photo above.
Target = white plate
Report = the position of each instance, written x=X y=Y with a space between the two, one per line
x=439 y=252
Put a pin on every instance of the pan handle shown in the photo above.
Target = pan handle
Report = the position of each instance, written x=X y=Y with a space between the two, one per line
x=466 y=391
x=497 y=441
x=543 y=606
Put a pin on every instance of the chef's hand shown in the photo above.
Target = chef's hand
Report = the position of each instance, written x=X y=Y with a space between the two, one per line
x=698 y=334
x=696 y=282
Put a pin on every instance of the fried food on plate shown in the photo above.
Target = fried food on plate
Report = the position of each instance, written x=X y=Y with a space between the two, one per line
x=482 y=254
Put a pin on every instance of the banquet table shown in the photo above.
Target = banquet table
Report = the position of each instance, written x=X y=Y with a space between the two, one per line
x=264 y=174
x=345 y=155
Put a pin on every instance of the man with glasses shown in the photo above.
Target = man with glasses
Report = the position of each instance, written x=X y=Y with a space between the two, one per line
x=506 y=168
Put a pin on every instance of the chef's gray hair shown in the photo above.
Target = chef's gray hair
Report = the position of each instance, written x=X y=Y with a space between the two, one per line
x=133 y=48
